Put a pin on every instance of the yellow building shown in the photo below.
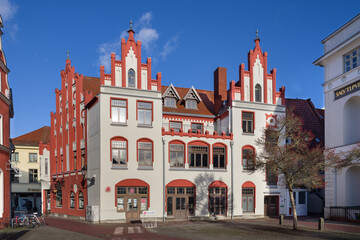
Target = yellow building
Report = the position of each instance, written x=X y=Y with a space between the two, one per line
x=25 y=181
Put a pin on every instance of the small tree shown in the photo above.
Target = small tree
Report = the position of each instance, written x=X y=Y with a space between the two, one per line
x=289 y=150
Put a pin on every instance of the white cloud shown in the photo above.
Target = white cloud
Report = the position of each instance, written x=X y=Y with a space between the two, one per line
x=7 y=10
x=145 y=33
x=169 y=47
x=147 y=36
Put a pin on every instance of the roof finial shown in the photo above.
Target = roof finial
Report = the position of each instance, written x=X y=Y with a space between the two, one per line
x=257 y=35
x=67 y=55
x=130 y=25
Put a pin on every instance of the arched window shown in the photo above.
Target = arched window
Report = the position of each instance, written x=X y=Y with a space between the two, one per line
x=351 y=120
x=119 y=151
x=198 y=154
x=177 y=154
x=257 y=93
x=248 y=197
x=145 y=152
x=72 y=199
x=81 y=200
x=248 y=160
x=131 y=78
x=219 y=156
x=218 y=198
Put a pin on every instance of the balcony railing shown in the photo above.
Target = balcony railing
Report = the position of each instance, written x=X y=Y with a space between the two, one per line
x=187 y=131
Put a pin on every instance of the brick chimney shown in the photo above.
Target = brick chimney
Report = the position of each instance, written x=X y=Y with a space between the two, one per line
x=220 y=88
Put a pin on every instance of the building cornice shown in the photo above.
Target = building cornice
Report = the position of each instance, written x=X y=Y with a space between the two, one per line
x=5 y=99
x=4 y=149
x=258 y=106
x=4 y=67
x=131 y=92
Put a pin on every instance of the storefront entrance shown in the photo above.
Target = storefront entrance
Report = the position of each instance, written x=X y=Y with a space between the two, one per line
x=180 y=202
x=271 y=206
x=47 y=202
x=133 y=201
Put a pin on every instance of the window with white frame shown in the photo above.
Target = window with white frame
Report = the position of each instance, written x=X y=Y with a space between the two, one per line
x=72 y=199
x=118 y=111
x=32 y=157
x=176 y=126
x=351 y=59
x=176 y=155
x=144 y=113
x=33 y=175
x=170 y=102
x=145 y=154
x=197 y=126
x=81 y=200
x=191 y=104
x=119 y=152
x=15 y=157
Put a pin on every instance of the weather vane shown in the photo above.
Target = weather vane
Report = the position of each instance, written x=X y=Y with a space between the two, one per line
x=67 y=55
x=130 y=24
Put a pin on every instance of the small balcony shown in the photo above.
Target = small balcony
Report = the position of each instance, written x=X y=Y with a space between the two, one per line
x=187 y=131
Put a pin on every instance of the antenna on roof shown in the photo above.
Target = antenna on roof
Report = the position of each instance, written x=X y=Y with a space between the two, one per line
x=67 y=55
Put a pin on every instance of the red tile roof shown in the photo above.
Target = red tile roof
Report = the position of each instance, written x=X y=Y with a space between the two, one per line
x=313 y=120
x=33 y=138
x=91 y=84
x=205 y=107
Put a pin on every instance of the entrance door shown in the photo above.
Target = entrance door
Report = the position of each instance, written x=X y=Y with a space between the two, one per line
x=47 y=202
x=132 y=209
x=271 y=206
x=180 y=208
x=248 y=199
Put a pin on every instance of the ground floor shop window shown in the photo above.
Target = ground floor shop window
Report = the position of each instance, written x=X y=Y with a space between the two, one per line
x=58 y=195
x=217 y=200
x=132 y=199
x=180 y=201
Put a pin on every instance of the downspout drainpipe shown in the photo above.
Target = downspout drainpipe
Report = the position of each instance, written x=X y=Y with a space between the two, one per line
x=232 y=179
x=163 y=141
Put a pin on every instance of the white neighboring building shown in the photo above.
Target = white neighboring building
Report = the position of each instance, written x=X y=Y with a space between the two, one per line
x=342 y=111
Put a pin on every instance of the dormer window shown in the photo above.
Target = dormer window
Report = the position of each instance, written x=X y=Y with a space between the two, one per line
x=191 y=104
x=170 y=102
x=257 y=93
x=131 y=78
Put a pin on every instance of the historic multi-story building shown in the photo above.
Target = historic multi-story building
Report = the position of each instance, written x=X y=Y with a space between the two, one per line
x=124 y=143
x=6 y=112
x=31 y=168
x=342 y=110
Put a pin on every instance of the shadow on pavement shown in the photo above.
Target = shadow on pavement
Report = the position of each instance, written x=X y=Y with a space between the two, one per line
x=12 y=235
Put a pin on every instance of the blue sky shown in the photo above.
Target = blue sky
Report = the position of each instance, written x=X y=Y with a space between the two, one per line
x=187 y=41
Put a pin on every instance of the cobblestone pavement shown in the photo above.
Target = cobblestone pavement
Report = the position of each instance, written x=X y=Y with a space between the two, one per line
x=265 y=228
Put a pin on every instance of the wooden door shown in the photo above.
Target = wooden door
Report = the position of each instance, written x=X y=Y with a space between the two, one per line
x=271 y=206
x=132 y=209
x=180 y=208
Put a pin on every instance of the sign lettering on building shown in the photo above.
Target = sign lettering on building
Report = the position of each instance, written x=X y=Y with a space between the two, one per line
x=347 y=90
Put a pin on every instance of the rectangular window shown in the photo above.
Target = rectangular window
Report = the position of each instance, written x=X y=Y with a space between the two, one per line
x=119 y=154
x=302 y=196
x=169 y=206
x=191 y=104
x=1 y=126
x=144 y=113
x=198 y=156
x=145 y=154
x=197 y=126
x=82 y=158
x=176 y=126
x=271 y=176
x=15 y=157
x=33 y=175
x=170 y=190
x=46 y=166
x=219 y=156
x=170 y=102
x=248 y=122
x=75 y=158
x=176 y=155
x=32 y=157
x=118 y=111
x=248 y=158
x=351 y=60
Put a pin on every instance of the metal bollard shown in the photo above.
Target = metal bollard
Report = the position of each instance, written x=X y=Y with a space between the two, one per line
x=281 y=219
x=321 y=224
